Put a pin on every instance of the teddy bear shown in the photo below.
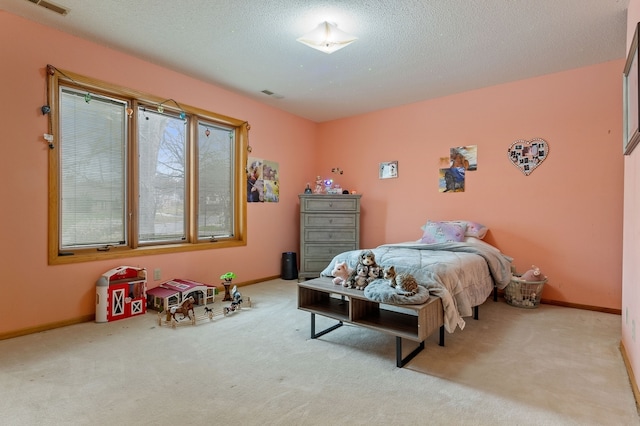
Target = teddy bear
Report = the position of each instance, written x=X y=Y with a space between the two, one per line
x=340 y=273
x=533 y=274
x=367 y=260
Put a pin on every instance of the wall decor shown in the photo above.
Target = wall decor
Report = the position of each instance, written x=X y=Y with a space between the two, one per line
x=388 y=170
x=527 y=155
x=451 y=179
x=255 y=183
x=464 y=156
x=453 y=169
x=631 y=99
x=271 y=176
x=263 y=181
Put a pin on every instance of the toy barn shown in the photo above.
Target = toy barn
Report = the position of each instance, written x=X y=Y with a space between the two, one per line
x=175 y=291
x=121 y=293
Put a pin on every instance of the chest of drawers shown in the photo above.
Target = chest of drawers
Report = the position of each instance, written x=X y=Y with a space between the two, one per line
x=329 y=224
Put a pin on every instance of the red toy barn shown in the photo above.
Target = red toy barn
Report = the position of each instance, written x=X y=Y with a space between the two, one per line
x=121 y=293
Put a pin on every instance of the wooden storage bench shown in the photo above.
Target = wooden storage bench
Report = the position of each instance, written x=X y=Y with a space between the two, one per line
x=412 y=322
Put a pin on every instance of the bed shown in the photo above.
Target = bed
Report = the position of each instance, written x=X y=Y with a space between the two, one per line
x=462 y=273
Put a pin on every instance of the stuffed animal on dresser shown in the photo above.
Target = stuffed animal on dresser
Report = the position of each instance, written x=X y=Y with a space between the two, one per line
x=367 y=260
x=340 y=273
x=406 y=284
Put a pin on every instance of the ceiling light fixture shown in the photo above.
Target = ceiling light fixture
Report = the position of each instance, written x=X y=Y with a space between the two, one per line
x=327 y=38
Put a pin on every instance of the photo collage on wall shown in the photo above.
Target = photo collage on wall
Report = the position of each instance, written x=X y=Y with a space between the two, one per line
x=528 y=155
x=452 y=173
x=263 y=181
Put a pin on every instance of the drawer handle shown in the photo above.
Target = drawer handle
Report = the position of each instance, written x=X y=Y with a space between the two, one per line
x=330 y=220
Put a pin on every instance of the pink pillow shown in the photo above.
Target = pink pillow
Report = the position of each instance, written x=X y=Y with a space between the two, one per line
x=442 y=232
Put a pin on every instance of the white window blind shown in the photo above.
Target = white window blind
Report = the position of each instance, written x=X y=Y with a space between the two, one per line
x=216 y=185
x=162 y=146
x=93 y=173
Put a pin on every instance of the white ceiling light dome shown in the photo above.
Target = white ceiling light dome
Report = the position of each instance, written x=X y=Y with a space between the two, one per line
x=327 y=38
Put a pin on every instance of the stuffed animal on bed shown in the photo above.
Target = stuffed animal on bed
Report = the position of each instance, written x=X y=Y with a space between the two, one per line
x=340 y=273
x=375 y=272
x=533 y=274
x=406 y=284
x=367 y=259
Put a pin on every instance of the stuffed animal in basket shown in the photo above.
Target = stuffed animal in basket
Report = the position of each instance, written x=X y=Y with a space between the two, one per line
x=340 y=273
x=524 y=290
x=533 y=274
x=367 y=259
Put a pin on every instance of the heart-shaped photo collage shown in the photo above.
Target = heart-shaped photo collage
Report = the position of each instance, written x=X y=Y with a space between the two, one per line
x=527 y=155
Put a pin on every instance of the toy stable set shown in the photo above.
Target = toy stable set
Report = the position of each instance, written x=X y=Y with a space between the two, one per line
x=122 y=293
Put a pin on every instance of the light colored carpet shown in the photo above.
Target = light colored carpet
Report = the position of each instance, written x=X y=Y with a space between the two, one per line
x=258 y=366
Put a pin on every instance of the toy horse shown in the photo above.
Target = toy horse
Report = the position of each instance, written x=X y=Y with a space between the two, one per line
x=237 y=300
x=185 y=308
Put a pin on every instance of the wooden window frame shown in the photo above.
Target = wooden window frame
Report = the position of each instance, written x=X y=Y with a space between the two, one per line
x=55 y=77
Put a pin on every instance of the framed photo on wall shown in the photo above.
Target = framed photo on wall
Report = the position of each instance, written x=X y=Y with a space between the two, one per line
x=388 y=170
x=631 y=98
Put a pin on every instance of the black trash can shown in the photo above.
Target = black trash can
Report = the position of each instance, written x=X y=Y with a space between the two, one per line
x=289 y=266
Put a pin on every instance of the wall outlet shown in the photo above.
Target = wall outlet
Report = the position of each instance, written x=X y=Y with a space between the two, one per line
x=157 y=274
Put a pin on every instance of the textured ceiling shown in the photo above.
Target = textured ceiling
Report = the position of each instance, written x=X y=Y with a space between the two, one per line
x=407 y=50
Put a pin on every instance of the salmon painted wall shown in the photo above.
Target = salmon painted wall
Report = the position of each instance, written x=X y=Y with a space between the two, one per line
x=40 y=294
x=631 y=244
x=565 y=217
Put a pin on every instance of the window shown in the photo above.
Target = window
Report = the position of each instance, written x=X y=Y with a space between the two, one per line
x=162 y=180
x=133 y=174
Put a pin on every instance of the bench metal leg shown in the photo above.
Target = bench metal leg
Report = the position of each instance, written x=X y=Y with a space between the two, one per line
x=401 y=362
x=315 y=335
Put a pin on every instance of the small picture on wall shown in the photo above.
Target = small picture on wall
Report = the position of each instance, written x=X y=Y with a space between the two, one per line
x=388 y=170
x=271 y=176
x=255 y=183
x=465 y=157
x=451 y=179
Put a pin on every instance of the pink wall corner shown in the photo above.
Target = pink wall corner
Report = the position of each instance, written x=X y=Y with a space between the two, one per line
x=66 y=292
x=565 y=217
x=631 y=244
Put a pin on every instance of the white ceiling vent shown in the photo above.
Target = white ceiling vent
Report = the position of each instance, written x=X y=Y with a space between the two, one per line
x=273 y=95
x=52 y=7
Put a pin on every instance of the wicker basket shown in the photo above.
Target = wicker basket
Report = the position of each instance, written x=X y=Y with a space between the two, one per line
x=524 y=294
